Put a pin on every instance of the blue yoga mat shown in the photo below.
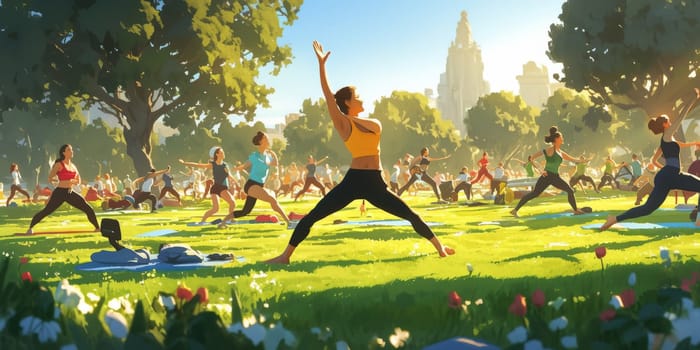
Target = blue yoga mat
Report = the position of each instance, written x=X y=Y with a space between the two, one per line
x=157 y=233
x=237 y=222
x=645 y=225
x=561 y=215
x=386 y=223
x=154 y=264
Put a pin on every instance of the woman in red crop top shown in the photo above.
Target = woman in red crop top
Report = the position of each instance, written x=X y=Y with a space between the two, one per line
x=364 y=179
x=67 y=174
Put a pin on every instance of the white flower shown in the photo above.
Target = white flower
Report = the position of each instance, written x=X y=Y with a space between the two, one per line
x=569 y=342
x=557 y=303
x=114 y=304
x=377 y=341
x=116 y=323
x=398 y=339
x=479 y=301
x=687 y=304
x=45 y=330
x=558 y=324
x=342 y=345
x=85 y=308
x=260 y=275
x=4 y=318
x=255 y=286
x=275 y=335
x=93 y=297
x=255 y=333
x=167 y=301
x=68 y=295
x=533 y=345
x=470 y=268
x=632 y=279
x=322 y=334
x=616 y=302
x=517 y=335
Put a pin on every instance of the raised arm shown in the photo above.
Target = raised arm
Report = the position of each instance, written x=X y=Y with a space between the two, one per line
x=321 y=160
x=198 y=165
x=655 y=158
x=340 y=122
x=441 y=158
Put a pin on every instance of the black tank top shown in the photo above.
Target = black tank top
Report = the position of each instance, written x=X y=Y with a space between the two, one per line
x=670 y=149
x=311 y=170
x=424 y=161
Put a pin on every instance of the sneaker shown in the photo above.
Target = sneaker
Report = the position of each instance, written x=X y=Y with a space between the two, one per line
x=292 y=225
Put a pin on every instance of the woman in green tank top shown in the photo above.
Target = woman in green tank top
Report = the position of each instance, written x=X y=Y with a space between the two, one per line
x=580 y=175
x=553 y=156
x=529 y=166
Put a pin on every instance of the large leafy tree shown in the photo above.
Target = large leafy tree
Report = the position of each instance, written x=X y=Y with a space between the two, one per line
x=576 y=117
x=631 y=54
x=314 y=134
x=502 y=124
x=143 y=60
x=409 y=123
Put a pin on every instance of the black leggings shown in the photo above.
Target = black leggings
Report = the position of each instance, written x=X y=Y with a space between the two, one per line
x=140 y=197
x=359 y=184
x=60 y=195
x=170 y=190
x=425 y=178
x=607 y=179
x=465 y=186
x=16 y=188
x=307 y=183
x=545 y=181
x=667 y=179
x=583 y=178
x=249 y=201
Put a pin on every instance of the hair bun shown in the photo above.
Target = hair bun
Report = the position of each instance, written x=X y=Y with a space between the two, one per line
x=553 y=130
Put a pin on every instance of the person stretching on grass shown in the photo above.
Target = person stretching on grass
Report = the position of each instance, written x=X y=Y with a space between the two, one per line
x=221 y=181
x=16 y=184
x=259 y=163
x=364 y=178
x=553 y=157
x=68 y=176
x=670 y=176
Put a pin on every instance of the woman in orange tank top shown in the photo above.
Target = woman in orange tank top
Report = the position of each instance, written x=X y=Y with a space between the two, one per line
x=364 y=178
x=67 y=174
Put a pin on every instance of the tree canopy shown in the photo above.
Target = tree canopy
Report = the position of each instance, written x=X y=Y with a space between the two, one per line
x=141 y=61
x=631 y=54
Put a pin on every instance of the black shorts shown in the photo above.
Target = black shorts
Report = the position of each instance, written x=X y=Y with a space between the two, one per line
x=217 y=189
x=249 y=184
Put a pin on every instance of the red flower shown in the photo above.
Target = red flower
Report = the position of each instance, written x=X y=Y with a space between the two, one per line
x=538 y=298
x=519 y=306
x=628 y=298
x=203 y=295
x=454 y=300
x=607 y=315
x=600 y=252
x=26 y=276
x=687 y=284
x=184 y=293
x=23 y=260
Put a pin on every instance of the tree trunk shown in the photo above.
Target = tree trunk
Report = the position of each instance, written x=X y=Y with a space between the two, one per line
x=138 y=140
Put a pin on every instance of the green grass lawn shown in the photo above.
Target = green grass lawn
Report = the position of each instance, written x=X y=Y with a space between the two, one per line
x=364 y=281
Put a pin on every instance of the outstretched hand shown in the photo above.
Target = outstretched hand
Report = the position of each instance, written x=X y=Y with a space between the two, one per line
x=322 y=56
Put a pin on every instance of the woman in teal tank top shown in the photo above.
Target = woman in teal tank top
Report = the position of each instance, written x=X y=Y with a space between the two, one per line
x=553 y=156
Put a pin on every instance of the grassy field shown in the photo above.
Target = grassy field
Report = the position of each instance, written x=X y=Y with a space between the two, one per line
x=364 y=281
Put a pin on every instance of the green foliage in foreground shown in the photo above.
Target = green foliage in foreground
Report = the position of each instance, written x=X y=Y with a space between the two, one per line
x=354 y=283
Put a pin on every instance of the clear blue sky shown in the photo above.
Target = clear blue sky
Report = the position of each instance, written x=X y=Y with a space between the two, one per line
x=384 y=45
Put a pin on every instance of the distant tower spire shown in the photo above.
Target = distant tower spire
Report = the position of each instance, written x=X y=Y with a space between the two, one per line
x=464 y=31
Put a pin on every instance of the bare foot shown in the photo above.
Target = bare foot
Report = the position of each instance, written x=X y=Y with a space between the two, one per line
x=97 y=229
x=578 y=212
x=612 y=220
x=447 y=251
x=283 y=260
x=514 y=213
x=29 y=232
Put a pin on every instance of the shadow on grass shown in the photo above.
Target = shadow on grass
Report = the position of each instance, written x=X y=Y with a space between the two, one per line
x=568 y=254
